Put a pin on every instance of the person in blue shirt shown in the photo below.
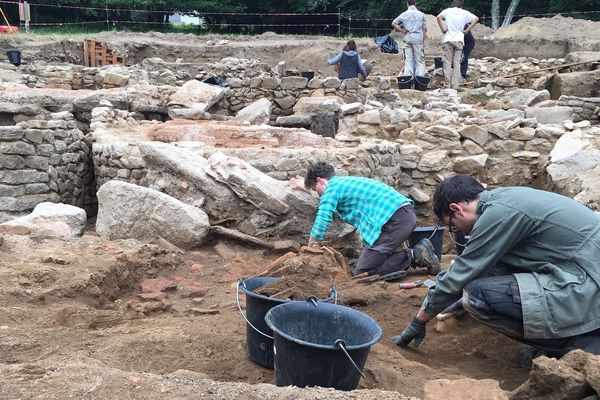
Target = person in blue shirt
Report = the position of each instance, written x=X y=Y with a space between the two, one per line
x=383 y=217
x=348 y=62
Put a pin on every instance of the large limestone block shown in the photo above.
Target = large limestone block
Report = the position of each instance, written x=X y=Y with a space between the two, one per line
x=463 y=389
x=370 y=117
x=190 y=166
x=476 y=133
x=580 y=84
x=53 y=219
x=519 y=133
x=196 y=94
x=575 y=167
x=313 y=105
x=293 y=82
x=549 y=378
x=550 y=115
x=522 y=97
x=470 y=164
x=115 y=79
x=433 y=161
x=248 y=183
x=592 y=371
x=257 y=113
x=127 y=211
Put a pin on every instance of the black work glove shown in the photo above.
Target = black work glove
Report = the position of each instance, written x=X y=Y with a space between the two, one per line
x=413 y=331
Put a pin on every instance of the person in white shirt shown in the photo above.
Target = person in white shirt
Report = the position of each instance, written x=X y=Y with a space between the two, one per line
x=413 y=24
x=452 y=22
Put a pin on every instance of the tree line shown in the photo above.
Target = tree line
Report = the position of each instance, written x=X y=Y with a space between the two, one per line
x=338 y=17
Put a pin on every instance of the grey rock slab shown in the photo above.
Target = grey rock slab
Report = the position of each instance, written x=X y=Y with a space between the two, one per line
x=550 y=115
x=191 y=167
x=470 y=164
x=476 y=133
x=248 y=183
x=54 y=219
x=127 y=211
x=257 y=113
x=196 y=94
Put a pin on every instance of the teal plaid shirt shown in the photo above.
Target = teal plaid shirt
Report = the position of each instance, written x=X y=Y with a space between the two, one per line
x=367 y=204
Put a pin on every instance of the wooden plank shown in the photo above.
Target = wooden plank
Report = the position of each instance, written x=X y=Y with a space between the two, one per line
x=114 y=57
x=103 y=55
x=93 y=54
x=86 y=60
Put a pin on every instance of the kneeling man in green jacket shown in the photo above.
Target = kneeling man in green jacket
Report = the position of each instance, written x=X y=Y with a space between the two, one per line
x=530 y=270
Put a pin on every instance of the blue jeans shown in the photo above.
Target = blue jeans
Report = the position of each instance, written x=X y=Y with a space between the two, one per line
x=496 y=302
x=467 y=49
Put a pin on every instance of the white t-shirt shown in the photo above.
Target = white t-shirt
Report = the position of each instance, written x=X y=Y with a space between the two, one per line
x=456 y=19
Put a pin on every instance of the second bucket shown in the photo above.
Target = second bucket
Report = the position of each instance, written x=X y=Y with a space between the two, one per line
x=320 y=344
x=258 y=334
x=259 y=337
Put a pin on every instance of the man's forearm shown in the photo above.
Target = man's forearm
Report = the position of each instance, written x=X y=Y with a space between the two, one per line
x=471 y=25
x=442 y=23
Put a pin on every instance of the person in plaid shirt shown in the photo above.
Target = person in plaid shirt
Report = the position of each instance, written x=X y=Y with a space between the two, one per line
x=383 y=217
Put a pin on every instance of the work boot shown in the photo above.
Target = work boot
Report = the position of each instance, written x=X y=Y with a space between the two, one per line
x=424 y=256
x=526 y=354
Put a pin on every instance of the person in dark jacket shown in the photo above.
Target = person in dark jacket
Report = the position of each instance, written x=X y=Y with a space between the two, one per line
x=467 y=49
x=529 y=270
x=348 y=62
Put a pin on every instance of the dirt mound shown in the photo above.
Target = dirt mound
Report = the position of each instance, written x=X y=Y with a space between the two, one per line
x=557 y=27
x=311 y=272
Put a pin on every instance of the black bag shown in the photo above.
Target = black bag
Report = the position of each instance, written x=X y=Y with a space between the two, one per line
x=387 y=44
x=215 y=80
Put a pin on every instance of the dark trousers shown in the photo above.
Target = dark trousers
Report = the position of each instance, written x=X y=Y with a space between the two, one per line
x=496 y=302
x=467 y=49
x=382 y=258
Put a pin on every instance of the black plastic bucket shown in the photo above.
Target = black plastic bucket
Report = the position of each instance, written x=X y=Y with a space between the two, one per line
x=259 y=340
x=421 y=82
x=434 y=233
x=260 y=347
x=14 y=57
x=308 y=74
x=460 y=241
x=404 y=82
x=320 y=344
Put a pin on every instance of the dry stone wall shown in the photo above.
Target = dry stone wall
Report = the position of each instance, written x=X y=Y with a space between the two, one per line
x=584 y=108
x=44 y=160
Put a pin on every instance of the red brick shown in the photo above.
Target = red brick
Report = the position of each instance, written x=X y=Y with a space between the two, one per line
x=157 y=296
x=157 y=285
x=25 y=282
x=133 y=303
x=198 y=268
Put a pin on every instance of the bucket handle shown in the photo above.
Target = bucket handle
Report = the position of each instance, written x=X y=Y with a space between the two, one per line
x=342 y=345
x=332 y=295
x=237 y=295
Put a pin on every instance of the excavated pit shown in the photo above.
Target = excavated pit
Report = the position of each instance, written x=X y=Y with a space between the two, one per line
x=81 y=300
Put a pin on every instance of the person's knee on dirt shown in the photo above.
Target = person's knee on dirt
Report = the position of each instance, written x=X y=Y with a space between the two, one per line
x=383 y=217
x=527 y=271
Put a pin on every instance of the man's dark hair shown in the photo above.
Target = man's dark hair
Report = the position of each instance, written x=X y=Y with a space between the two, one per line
x=351 y=45
x=458 y=3
x=411 y=2
x=454 y=190
x=320 y=169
